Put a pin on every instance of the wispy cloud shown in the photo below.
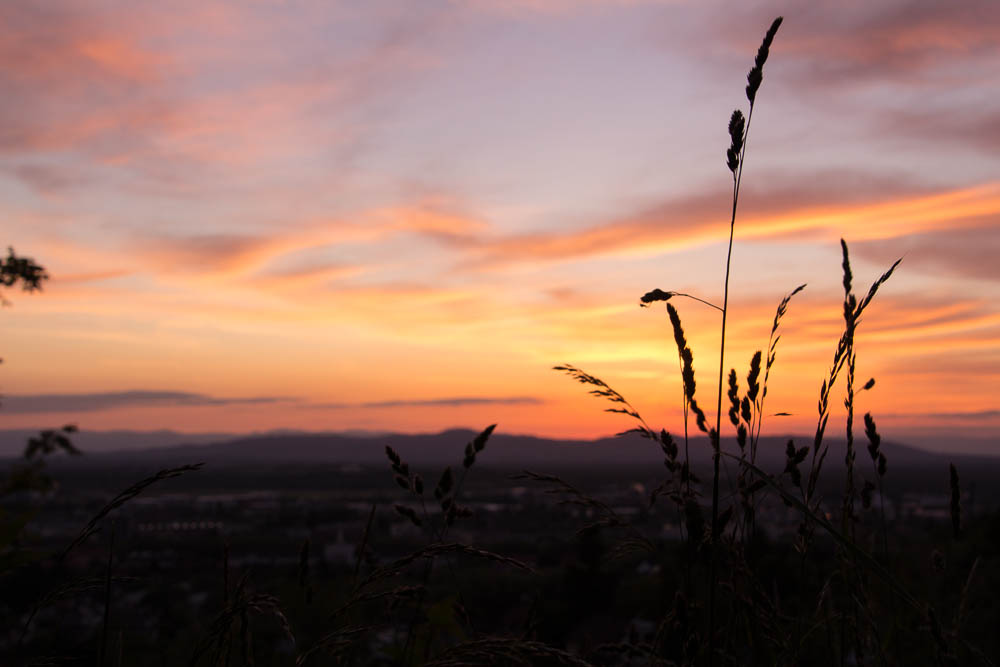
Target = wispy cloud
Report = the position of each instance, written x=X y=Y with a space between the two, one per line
x=553 y=7
x=968 y=253
x=972 y=128
x=186 y=96
x=901 y=40
x=453 y=402
x=54 y=60
x=204 y=253
x=50 y=178
x=953 y=418
x=294 y=252
x=979 y=414
x=835 y=44
x=795 y=209
x=92 y=402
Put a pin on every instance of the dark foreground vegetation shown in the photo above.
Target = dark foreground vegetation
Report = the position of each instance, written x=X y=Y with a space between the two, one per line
x=832 y=557
x=239 y=559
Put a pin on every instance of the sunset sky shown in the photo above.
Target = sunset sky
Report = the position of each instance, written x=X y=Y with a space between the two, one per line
x=400 y=215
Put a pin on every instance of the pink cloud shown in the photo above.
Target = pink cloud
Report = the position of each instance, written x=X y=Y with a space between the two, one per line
x=900 y=40
x=966 y=253
x=973 y=128
x=183 y=95
x=73 y=71
x=858 y=43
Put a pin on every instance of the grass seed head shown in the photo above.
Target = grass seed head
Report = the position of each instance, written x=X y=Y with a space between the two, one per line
x=444 y=484
x=866 y=494
x=846 y=264
x=756 y=75
x=408 y=513
x=653 y=296
x=753 y=377
x=479 y=443
x=874 y=439
x=734 y=399
x=668 y=445
x=737 y=125
x=392 y=455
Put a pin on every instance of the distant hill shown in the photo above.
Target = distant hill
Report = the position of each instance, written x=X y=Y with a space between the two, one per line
x=290 y=459
x=166 y=448
x=12 y=441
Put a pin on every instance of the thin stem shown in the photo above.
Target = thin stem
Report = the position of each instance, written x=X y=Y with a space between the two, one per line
x=684 y=403
x=759 y=407
x=707 y=303
x=718 y=406
x=847 y=519
x=428 y=570
x=687 y=487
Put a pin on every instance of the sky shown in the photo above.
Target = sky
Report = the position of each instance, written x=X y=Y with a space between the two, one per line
x=399 y=215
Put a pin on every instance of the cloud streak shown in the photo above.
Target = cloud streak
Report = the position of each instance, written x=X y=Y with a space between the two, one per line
x=99 y=401
x=968 y=253
x=856 y=44
x=792 y=211
x=452 y=402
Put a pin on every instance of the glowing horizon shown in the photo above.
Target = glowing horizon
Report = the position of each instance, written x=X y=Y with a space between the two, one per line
x=328 y=216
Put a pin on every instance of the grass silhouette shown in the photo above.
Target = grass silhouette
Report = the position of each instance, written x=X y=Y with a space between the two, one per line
x=836 y=593
x=848 y=596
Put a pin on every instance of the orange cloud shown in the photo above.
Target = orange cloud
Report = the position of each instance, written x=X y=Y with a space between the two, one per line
x=434 y=335
x=305 y=277
x=434 y=217
x=122 y=58
x=91 y=277
x=699 y=220
x=208 y=253
x=292 y=254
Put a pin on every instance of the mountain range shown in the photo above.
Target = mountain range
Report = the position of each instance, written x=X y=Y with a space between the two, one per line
x=166 y=447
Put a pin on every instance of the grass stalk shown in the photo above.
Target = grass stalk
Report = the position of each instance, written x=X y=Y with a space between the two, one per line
x=739 y=133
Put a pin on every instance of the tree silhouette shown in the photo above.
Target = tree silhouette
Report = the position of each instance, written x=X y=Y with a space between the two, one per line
x=23 y=270
x=31 y=476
